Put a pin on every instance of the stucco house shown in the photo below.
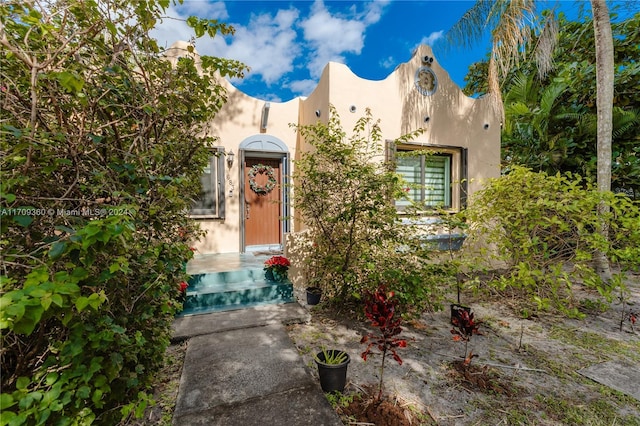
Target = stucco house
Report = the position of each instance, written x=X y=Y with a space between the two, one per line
x=246 y=203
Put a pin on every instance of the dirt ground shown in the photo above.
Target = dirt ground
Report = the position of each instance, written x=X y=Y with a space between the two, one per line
x=525 y=372
x=165 y=390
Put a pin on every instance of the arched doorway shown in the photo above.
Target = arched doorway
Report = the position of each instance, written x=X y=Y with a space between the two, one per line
x=264 y=193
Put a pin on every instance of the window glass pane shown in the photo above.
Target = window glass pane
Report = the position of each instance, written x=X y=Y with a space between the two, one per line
x=437 y=170
x=207 y=199
x=411 y=170
x=211 y=201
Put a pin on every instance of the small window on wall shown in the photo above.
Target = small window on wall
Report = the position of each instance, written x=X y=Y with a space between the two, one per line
x=435 y=176
x=212 y=202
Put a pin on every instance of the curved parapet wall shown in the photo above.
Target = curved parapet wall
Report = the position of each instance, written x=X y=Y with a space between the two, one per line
x=447 y=115
x=418 y=94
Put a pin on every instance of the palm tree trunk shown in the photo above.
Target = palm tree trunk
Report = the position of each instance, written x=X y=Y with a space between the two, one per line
x=604 y=103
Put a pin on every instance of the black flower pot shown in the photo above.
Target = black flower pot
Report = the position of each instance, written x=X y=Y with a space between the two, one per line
x=313 y=295
x=455 y=313
x=333 y=377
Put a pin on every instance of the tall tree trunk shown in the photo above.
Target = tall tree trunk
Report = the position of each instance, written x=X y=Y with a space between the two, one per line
x=604 y=103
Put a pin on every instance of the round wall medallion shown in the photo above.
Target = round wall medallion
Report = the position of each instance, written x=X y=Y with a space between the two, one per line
x=426 y=81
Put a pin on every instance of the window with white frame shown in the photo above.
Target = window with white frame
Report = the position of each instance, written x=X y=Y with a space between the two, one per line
x=435 y=176
x=211 y=203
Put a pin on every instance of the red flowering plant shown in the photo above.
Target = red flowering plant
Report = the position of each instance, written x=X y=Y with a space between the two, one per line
x=276 y=268
x=279 y=264
x=465 y=326
x=182 y=287
x=380 y=309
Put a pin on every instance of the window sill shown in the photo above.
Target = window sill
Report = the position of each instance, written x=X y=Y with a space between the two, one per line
x=205 y=217
x=422 y=221
x=428 y=213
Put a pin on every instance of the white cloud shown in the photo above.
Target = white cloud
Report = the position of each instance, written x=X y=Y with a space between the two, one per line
x=373 y=13
x=267 y=45
x=432 y=38
x=205 y=9
x=301 y=87
x=274 y=45
x=330 y=36
x=269 y=97
x=170 y=31
x=387 y=62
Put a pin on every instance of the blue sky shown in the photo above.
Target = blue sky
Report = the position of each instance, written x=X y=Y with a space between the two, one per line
x=288 y=43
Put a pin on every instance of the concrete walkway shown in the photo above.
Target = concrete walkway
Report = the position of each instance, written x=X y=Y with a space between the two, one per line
x=241 y=368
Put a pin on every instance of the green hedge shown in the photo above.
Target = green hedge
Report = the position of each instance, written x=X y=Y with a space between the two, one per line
x=103 y=143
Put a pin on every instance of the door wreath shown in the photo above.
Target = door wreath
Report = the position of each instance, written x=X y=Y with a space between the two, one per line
x=261 y=169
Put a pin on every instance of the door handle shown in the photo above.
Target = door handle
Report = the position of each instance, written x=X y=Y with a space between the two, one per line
x=247 y=209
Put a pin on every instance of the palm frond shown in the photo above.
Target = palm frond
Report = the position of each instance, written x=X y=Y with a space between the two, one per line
x=523 y=89
x=518 y=109
x=547 y=41
x=512 y=32
x=470 y=27
x=570 y=115
x=625 y=121
x=550 y=95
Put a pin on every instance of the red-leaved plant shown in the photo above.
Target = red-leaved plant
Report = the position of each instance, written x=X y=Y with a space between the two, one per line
x=464 y=326
x=381 y=311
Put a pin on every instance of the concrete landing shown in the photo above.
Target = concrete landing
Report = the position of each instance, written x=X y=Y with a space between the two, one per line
x=622 y=377
x=203 y=263
x=241 y=368
x=217 y=322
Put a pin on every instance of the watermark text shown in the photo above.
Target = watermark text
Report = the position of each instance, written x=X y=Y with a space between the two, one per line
x=80 y=212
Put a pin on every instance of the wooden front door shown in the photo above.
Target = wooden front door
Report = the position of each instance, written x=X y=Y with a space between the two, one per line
x=262 y=201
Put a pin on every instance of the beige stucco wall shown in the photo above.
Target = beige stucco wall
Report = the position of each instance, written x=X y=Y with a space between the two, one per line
x=237 y=121
x=454 y=120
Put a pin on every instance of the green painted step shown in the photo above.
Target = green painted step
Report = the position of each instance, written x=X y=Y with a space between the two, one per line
x=229 y=290
x=225 y=280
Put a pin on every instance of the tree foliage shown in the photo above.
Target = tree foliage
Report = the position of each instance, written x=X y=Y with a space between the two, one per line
x=512 y=25
x=103 y=143
x=542 y=229
x=345 y=195
x=550 y=123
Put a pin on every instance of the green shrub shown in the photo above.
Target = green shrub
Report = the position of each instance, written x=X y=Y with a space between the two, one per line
x=356 y=241
x=542 y=230
x=419 y=284
x=102 y=148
